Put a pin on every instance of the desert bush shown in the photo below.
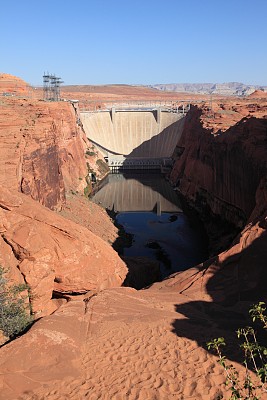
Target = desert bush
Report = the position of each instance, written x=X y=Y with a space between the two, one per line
x=255 y=359
x=14 y=315
x=90 y=153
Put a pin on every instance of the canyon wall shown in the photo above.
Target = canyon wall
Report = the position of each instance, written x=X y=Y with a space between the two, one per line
x=45 y=155
x=219 y=167
x=42 y=152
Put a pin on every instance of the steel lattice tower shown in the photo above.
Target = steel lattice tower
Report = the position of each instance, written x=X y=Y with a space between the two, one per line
x=51 y=86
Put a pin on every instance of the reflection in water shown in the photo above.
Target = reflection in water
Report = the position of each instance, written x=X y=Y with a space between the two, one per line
x=148 y=209
x=138 y=192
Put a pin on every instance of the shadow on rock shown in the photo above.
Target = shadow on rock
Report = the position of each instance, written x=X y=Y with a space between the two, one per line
x=234 y=281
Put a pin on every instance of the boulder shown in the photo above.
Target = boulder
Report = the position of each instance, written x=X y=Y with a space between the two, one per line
x=53 y=254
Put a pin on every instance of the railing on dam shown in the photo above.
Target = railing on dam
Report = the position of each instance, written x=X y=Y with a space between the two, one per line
x=120 y=163
x=181 y=106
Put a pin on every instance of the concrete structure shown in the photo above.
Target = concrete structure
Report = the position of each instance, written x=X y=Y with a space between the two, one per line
x=137 y=193
x=134 y=138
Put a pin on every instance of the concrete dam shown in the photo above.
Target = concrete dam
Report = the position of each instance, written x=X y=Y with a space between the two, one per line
x=134 y=139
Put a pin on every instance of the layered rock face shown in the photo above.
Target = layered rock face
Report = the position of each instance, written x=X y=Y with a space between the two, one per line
x=222 y=158
x=221 y=169
x=42 y=152
x=13 y=86
x=238 y=273
x=43 y=147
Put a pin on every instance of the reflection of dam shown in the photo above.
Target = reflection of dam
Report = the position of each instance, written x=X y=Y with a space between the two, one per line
x=137 y=193
x=134 y=138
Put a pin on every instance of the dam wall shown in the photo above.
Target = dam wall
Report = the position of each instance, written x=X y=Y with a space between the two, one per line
x=123 y=135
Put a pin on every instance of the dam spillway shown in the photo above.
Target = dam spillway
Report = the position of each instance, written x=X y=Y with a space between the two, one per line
x=134 y=138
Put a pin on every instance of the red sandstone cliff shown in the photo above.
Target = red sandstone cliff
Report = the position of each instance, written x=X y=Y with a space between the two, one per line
x=43 y=155
x=238 y=273
x=42 y=152
x=221 y=169
x=222 y=157
x=53 y=254
x=43 y=148
x=11 y=85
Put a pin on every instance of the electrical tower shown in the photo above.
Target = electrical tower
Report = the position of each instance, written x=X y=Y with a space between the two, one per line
x=51 y=86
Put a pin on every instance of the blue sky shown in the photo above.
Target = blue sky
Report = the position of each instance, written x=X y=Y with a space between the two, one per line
x=135 y=41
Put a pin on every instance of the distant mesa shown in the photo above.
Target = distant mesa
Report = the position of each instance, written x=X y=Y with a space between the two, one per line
x=228 y=89
x=11 y=84
x=259 y=94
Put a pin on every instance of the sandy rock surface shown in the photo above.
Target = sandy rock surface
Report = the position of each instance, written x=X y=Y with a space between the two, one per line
x=119 y=344
x=88 y=214
x=53 y=253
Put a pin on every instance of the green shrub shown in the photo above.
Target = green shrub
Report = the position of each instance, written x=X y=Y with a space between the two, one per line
x=255 y=359
x=91 y=151
x=14 y=316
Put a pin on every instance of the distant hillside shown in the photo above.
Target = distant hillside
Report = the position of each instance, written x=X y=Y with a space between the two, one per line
x=114 y=89
x=229 y=88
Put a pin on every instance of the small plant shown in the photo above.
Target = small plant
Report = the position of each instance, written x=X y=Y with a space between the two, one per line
x=87 y=190
x=14 y=316
x=90 y=151
x=255 y=359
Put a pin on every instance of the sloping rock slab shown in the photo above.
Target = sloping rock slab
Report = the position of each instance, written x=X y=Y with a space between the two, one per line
x=119 y=344
x=55 y=254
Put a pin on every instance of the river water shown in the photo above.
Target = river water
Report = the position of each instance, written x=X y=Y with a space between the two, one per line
x=149 y=210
